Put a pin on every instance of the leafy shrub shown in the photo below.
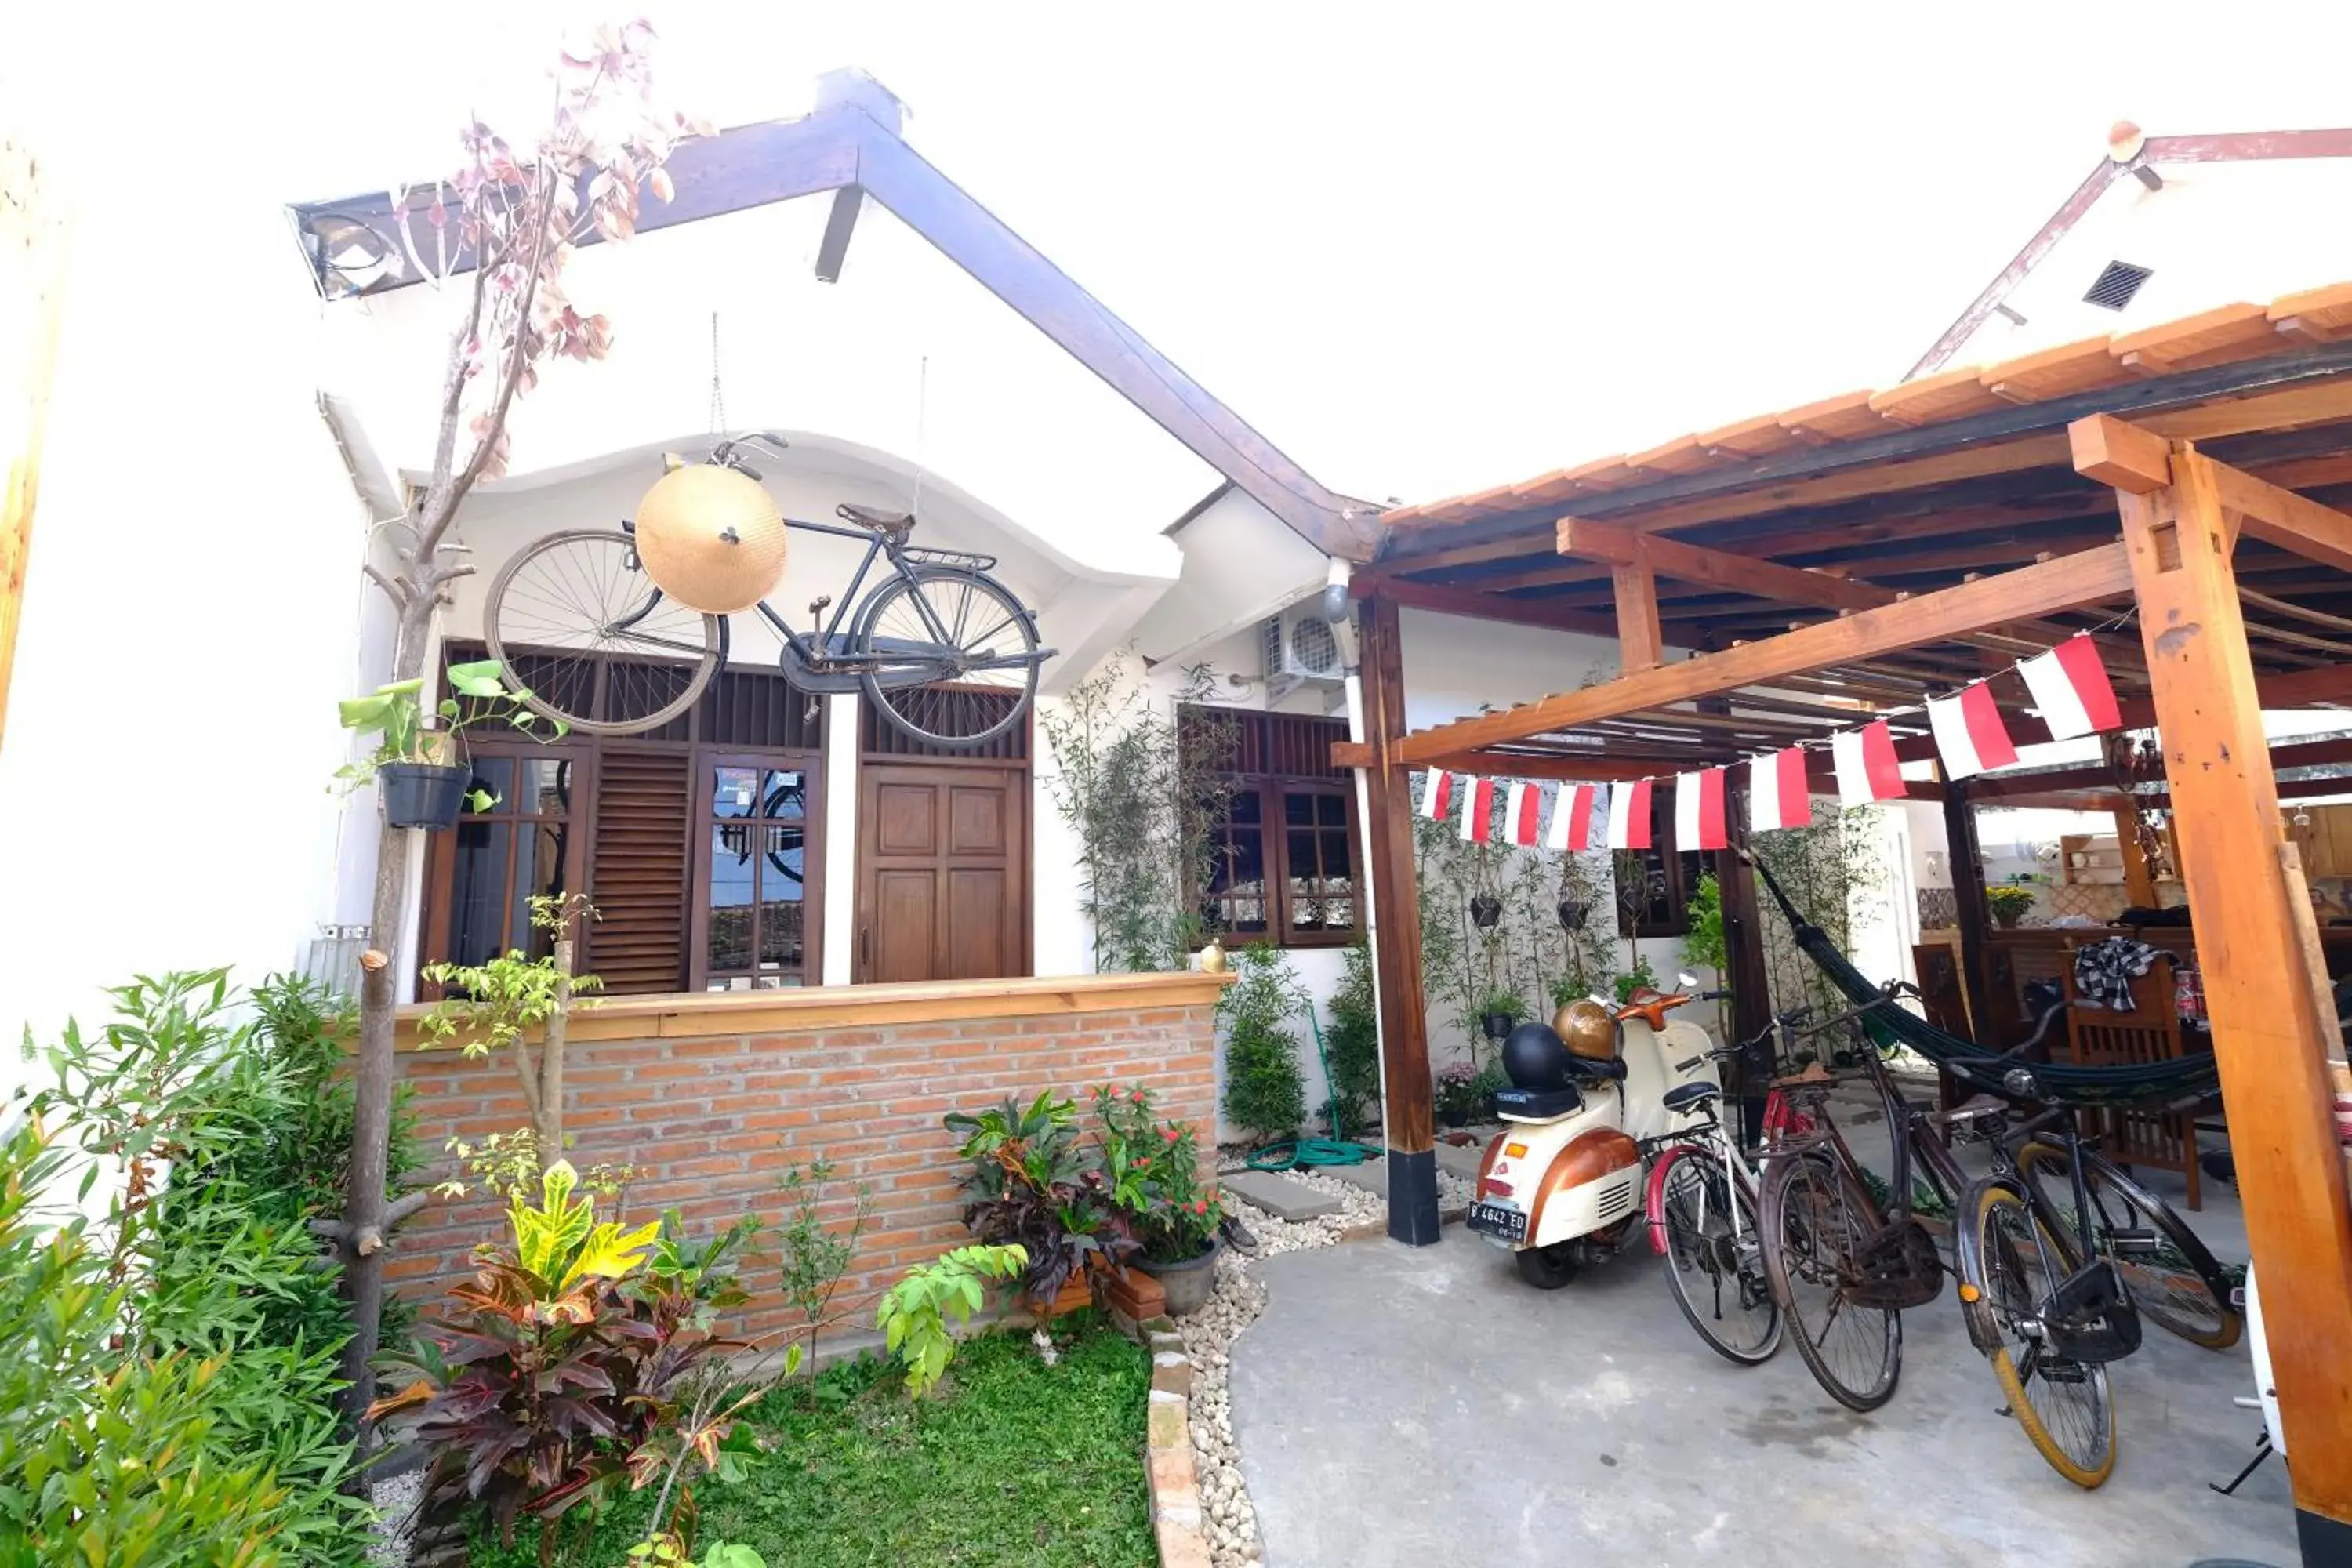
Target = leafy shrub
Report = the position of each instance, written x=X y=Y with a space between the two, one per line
x=812 y=1257
x=1264 y=1095
x=253 y=1130
x=914 y=1313
x=1351 y=1046
x=1640 y=977
x=562 y=1360
x=1034 y=1185
x=1152 y=1173
x=1457 y=1088
x=1703 y=942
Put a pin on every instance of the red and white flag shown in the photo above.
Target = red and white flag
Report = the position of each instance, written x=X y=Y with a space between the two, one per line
x=1477 y=810
x=2070 y=686
x=1629 y=815
x=1969 y=736
x=1866 y=767
x=1436 y=795
x=1527 y=806
x=1698 y=811
x=1571 y=817
x=1777 y=795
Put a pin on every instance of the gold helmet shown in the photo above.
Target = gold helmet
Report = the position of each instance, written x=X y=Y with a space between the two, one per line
x=1589 y=1030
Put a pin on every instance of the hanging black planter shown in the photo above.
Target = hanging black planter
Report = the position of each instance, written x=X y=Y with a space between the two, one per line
x=1573 y=914
x=422 y=795
x=1497 y=1027
x=1485 y=910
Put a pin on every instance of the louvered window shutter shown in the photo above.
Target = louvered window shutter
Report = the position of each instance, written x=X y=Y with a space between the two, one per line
x=641 y=870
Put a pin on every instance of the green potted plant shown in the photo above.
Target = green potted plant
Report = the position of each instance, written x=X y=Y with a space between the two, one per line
x=1032 y=1184
x=2009 y=904
x=1151 y=1174
x=420 y=776
x=1499 y=1011
x=1458 y=1093
x=1491 y=1081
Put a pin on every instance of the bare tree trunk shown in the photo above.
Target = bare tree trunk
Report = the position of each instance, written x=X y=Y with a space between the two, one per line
x=549 y=1101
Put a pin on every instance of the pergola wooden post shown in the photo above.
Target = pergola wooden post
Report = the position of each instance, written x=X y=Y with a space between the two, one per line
x=2272 y=1040
x=33 y=231
x=1407 y=1123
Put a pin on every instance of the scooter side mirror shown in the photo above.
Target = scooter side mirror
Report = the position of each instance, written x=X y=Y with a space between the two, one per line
x=1595 y=996
x=1687 y=980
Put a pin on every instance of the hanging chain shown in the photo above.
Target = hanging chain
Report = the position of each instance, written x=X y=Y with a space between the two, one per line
x=717 y=394
x=923 y=410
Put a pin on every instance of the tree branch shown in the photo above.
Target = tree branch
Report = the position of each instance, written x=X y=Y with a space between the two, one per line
x=396 y=590
x=406 y=1205
x=539 y=211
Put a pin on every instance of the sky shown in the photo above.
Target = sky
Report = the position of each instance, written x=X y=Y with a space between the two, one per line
x=1424 y=249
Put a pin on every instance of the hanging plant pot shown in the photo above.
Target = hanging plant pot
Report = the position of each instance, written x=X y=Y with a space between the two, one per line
x=1573 y=914
x=422 y=795
x=1485 y=910
x=1496 y=1026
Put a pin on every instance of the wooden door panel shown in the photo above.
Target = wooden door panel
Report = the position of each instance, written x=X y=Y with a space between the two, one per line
x=976 y=923
x=905 y=819
x=905 y=928
x=976 y=821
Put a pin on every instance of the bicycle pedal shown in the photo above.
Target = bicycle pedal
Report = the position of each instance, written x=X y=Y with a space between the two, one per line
x=2133 y=1241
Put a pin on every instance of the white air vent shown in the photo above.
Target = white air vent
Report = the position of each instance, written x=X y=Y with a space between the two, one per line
x=1299 y=649
x=2117 y=284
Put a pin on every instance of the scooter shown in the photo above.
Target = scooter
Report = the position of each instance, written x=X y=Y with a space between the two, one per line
x=1560 y=1186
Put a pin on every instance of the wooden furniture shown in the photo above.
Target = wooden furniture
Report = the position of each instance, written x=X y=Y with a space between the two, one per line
x=2150 y=1032
x=1937 y=965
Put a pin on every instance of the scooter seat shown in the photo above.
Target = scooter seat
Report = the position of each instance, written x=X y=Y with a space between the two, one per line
x=1609 y=1070
x=1537 y=1104
x=1684 y=1099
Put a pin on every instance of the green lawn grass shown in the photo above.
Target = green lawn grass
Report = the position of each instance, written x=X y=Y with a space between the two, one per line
x=1014 y=1462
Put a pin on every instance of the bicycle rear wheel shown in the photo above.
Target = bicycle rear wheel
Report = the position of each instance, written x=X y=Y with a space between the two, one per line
x=2173 y=1277
x=1815 y=1221
x=577 y=623
x=957 y=656
x=1706 y=1226
x=2010 y=1263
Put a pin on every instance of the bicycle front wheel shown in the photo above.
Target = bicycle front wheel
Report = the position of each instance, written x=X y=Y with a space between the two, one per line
x=954 y=656
x=580 y=626
x=2173 y=1277
x=1706 y=1225
x=1815 y=1222
x=2010 y=1263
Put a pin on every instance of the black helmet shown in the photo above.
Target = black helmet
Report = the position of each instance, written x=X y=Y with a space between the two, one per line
x=1533 y=1057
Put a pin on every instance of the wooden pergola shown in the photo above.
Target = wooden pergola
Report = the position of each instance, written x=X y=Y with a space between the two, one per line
x=2174 y=491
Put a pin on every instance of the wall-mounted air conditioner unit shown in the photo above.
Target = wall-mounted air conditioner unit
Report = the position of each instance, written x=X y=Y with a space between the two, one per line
x=1300 y=650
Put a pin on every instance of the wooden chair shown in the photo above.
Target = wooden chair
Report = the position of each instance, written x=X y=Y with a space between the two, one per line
x=2150 y=1032
x=1945 y=1002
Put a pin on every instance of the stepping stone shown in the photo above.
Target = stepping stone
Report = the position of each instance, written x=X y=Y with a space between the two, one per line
x=1461 y=1159
x=1280 y=1196
x=1372 y=1175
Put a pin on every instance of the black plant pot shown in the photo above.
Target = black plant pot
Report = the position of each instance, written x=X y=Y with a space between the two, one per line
x=1485 y=910
x=1573 y=914
x=1493 y=1113
x=422 y=795
x=1454 y=1116
x=1496 y=1026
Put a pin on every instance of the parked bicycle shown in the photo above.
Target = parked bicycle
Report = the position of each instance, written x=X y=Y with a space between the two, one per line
x=2052 y=1292
x=947 y=655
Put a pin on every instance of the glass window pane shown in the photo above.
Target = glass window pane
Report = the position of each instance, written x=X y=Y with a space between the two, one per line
x=1248 y=857
x=478 y=891
x=1299 y=810
x=784 y=794
x=1248 y=805
x=734 y=878
x=1300 y=845
x=1331 y=810
x=542 y=786
x=1335 y=853
x=496 y=776
x=541 y=871
x=734 y=792
x=781 y=894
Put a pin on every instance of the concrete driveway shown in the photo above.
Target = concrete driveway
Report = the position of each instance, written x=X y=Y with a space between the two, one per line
x=1422 y=1406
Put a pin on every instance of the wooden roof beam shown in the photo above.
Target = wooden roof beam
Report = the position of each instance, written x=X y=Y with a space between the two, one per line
x=2137 y=459
x=1622 y=548
x=2095 y=576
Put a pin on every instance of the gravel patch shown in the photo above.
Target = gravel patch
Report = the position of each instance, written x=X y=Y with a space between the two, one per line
x=396 y=1499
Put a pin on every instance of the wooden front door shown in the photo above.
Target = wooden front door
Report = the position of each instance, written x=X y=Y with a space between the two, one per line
x=943 y=873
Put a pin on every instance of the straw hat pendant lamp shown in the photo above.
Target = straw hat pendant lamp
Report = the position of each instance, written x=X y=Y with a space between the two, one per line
x=710 y=536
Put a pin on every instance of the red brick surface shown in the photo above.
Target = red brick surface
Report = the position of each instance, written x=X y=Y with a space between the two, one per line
x=711 y=1123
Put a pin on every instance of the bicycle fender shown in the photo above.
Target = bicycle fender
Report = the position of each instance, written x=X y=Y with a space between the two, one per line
x=1654 y=1200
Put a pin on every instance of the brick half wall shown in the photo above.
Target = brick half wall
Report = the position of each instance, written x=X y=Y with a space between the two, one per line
x=712 y=1097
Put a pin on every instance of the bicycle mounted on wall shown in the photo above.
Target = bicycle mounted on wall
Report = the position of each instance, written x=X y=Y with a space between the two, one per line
x=947 y=655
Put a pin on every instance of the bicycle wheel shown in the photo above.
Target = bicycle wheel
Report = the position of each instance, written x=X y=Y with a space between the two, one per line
x=2172 y=1276
x=1706 y=1225
x=575 y=622
x=1816 y=1219
x=2009 y=1262
x=959 y=654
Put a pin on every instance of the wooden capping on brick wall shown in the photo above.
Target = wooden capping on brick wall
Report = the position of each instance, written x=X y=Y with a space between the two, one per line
x=690 y=1014
x=712 y=1097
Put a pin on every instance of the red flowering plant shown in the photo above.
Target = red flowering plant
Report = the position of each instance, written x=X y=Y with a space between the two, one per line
x=1152 y=1171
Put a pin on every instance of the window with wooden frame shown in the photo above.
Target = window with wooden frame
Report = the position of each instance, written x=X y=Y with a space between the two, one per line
x=1282 y=850
x=700 y=845
x=1654 y=885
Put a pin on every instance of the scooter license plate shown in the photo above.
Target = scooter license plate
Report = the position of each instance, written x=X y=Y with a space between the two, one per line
x=1500 y=1221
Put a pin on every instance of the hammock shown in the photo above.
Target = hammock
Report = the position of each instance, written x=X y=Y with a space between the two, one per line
x=2178 y=1083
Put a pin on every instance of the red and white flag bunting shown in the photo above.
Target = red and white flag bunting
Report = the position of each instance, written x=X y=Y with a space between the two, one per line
x=1477 y=810
x=1867 y=769
x=1629 y=815
x=1777 y=796
x=2070 y=686
x=1969 y=736
x=1527 y=806
x=1572 y=816
x=1698 y=811
x=1436 y=795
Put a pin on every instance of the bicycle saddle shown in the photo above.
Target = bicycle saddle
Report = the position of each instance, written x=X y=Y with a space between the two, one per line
x=1689 y=1097
x=890 y=522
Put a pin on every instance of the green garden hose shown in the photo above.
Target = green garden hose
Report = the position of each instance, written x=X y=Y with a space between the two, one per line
x=1293 y=1153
